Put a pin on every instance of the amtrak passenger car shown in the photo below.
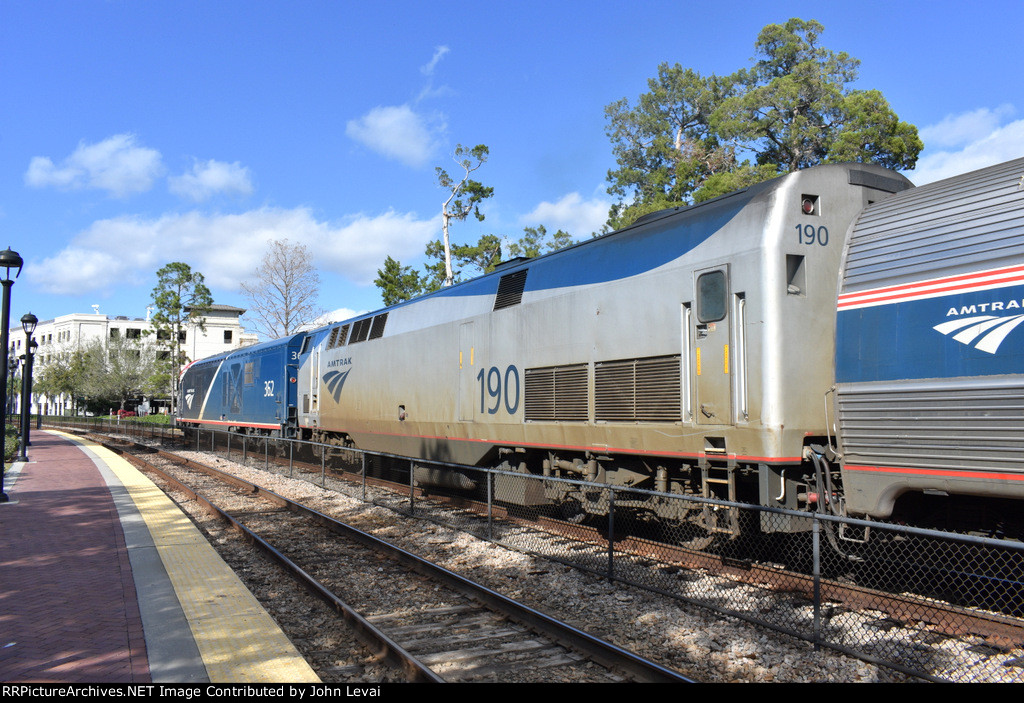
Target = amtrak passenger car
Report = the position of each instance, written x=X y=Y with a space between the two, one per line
x=690 y=352
x=930 y=362
x=251 y=389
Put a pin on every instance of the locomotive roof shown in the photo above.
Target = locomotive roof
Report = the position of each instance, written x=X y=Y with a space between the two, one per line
x=707 y=210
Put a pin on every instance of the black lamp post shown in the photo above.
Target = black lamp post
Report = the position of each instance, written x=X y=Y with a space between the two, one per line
x=12 y=371
x=8 y=260
x=28 y=323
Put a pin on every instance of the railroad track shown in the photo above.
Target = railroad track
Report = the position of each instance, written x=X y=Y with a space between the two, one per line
x=433 y=624
x=906 y=608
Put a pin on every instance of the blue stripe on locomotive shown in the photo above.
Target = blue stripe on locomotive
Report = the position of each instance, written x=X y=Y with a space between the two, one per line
x=261 y=396
x=621 y=254
x=900 y=341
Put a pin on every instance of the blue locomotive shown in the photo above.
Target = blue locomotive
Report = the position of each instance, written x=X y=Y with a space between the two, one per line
x=254 y=388
x=707 y=351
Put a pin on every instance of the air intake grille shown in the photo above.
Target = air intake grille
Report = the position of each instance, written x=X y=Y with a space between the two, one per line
x=360 y=330
x=556 y=393
x=510 y=289
x=377 y=330
x=638 y=390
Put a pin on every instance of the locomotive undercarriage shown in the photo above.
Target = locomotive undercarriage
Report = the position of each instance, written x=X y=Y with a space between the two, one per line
x=792 y=487
x=715 y=479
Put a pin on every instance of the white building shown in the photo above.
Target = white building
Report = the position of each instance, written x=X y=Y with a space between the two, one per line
x=222 y=332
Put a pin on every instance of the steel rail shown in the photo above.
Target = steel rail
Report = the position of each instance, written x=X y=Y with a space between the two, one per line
x=600 y=651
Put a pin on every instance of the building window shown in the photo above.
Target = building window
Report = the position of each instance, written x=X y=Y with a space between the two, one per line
x=114 y=333
x=133 y=333
x=227 y=336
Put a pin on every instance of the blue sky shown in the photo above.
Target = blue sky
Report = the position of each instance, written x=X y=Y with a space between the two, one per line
x=136 y=133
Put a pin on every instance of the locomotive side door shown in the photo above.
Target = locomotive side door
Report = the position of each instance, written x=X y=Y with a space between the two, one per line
x=710 y=338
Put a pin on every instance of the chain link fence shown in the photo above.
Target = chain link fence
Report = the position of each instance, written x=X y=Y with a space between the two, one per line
x=936 y=605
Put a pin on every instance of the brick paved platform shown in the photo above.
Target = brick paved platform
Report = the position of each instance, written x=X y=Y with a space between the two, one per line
x=102 y=579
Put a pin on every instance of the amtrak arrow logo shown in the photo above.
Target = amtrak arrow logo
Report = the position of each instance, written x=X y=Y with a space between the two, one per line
x=336 y=379
x=988 y=330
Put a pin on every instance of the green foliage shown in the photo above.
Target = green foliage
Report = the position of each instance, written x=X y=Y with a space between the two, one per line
x=536 y=241
x=398 y=283
x=120 y=370
x=465 y=197
x=154 y=419
x=181 y=298
x=11 y=437
x=64 y=374
x=682 y=142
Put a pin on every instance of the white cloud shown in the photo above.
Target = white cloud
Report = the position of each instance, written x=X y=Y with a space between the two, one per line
x=965 y=128
x=439 y=52
x=225 y=248
x=335 y=316
x=118 y=165
x=571 y=213
x=981 y=141
x=209 y=178
x=397 y=132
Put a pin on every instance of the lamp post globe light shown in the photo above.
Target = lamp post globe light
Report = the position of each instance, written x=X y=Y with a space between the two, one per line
x=28 y=323
x=8 y=260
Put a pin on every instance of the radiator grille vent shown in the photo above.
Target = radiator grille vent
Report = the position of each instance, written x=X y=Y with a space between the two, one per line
x=510 y=289
x=360 y=329
x=377 y=330
x=638 y=390
x=556 y=393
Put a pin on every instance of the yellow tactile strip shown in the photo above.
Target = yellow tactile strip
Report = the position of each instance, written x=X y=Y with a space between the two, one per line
x=238 y=640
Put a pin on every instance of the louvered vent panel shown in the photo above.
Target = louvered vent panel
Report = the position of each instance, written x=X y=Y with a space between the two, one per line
x=957 y=425
x=378 y=326
x=360 y=329
x=614 y=391
x=557 y=393
x=658 y=394
x=510 y=290
x=638 y=390
x=539 y=394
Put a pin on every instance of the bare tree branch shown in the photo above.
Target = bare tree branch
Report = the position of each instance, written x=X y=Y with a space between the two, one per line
x=283 y=292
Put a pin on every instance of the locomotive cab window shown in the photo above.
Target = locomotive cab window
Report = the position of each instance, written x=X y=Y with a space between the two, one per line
x=712 y=296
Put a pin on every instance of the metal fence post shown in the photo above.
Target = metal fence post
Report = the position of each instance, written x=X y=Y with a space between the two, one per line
x=490 y=504
x=412 y=488
x=364 y=476
x=611 y=534
x=816 y=556
x=291 y=453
